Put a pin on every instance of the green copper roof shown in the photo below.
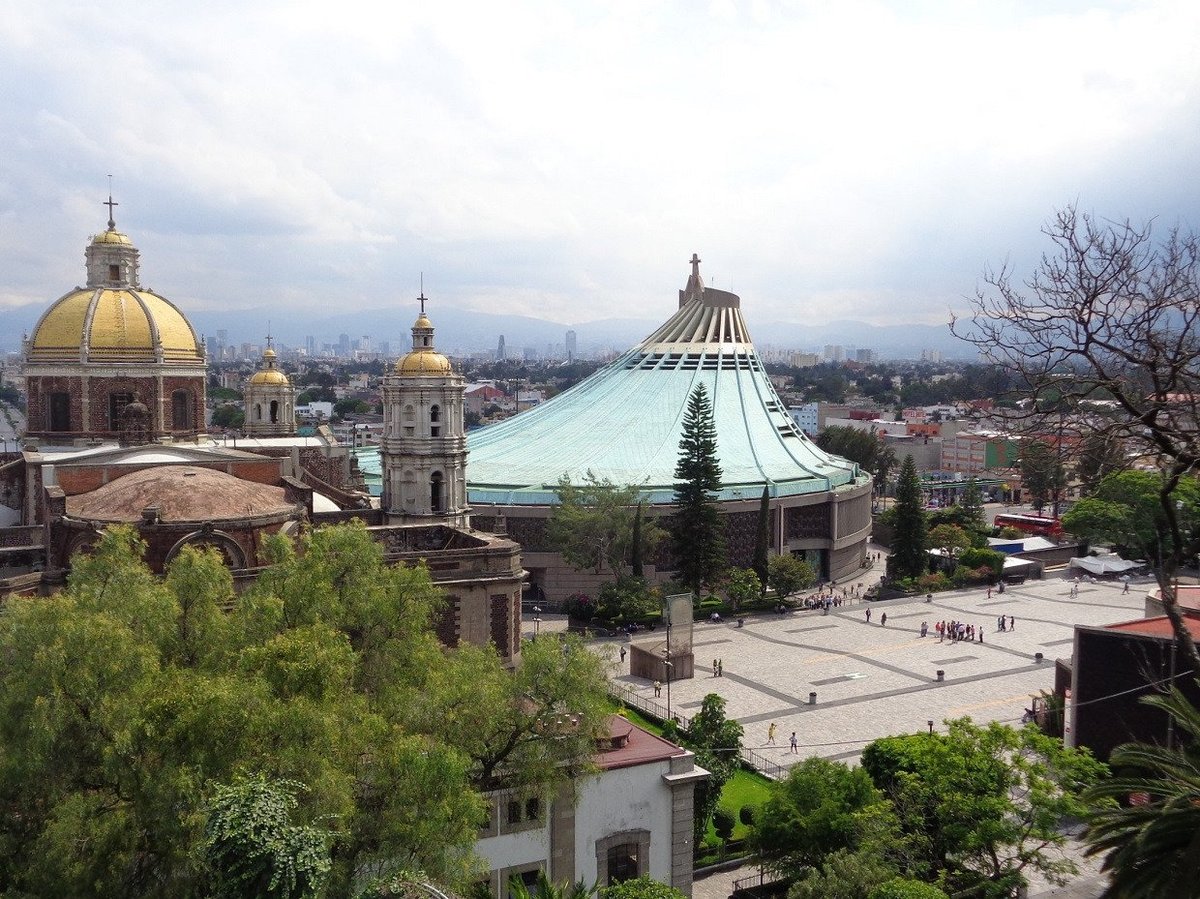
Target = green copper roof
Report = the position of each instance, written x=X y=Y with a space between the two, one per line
x=624 y=422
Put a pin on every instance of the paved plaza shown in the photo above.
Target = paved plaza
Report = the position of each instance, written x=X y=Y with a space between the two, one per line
x=873 y=680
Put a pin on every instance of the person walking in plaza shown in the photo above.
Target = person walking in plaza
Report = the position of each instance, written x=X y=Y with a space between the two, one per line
x=868 y=614
x=989 y=592
x=1012 y=623
x=771 y=734
x=657 y=688
x=883 y=620
x=720 y=668
x=795 y=745
x=1125 y=589
x=622 y=655
x=715 y=668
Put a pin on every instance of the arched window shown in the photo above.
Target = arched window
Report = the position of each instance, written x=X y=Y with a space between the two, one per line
x=258 y=411
x=274 y=412
x=181 y=410
x=435 y=416
x=60 y=411
x=435 y=492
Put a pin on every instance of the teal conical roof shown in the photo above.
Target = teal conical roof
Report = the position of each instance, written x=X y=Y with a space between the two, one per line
x=624 y=422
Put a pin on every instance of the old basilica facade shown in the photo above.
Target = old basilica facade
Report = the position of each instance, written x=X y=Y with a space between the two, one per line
x=115 y=376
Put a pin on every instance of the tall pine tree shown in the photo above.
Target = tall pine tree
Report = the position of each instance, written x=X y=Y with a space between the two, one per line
x=908 y=557
x=697 y=531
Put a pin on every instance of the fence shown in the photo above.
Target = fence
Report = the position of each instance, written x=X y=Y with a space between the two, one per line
x=755 y=882
x=655 y=709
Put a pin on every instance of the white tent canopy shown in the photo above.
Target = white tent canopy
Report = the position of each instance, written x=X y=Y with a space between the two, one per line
x=1102 y=565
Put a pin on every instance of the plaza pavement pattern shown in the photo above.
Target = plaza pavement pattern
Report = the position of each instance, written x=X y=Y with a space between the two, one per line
x=875 y=680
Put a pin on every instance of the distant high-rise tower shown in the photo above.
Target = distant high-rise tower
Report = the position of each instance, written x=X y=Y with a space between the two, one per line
x=500 y=349
x=570 y=346
x=424 y=447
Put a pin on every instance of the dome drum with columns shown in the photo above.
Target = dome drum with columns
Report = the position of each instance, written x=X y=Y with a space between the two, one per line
x=270 y=400
x=102 y=347
x=423 y=451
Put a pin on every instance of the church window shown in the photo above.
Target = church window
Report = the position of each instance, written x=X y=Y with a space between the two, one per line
x=514 y=812
x=258 y=411
x=181 y=410
x=114 y=273
x=622 y=863
x=60 y=412
x=116 y=405
x=435 y=416
x=435 y=492
x=408 y=413
x=274 y=412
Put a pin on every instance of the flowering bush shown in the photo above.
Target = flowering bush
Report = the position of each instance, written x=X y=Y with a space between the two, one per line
x=581 y=606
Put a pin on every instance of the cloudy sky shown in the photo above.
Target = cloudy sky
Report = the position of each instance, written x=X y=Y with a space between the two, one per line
x=848 y=159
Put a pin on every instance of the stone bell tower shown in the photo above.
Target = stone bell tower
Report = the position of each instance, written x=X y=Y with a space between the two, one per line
x=424 y=448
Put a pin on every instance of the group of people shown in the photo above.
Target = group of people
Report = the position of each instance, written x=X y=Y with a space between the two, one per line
x=794 y=745
x=718 y=668
x=957 y=631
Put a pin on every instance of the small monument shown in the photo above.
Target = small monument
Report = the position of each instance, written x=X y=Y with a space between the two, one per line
x=671 y=659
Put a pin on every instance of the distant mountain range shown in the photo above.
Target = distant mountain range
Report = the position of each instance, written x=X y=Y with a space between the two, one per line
x=463 y=332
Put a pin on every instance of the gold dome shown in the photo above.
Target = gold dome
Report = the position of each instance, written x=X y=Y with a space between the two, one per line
x=423 y=362
x=269 y=376
x=115 y=325
x=111 y=236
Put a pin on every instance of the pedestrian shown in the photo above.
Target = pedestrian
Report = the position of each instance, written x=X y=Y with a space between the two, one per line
x=795 y=745
x=883 y=620
x=981 y=633
x=868 y=614
x=1126 y=588
x=924 y=628
x=714 y=667
x=989 y=592
x=720 y=668
x=622 y=655
x=1012 y=623
x=657 y=688
x=771 y=734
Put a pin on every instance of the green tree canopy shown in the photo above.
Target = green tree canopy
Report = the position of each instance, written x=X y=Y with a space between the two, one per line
x=855 y=444
x=950 y=539
x=908 y=557
x=1126 y=510
x=819 y=808
x=593 y=525
x=716 y=740
x=1043 y=476
x=983 y=804
x=697 y=529
x=742 y=586
x=788 y=573
x=643 y=887
x=126 y=700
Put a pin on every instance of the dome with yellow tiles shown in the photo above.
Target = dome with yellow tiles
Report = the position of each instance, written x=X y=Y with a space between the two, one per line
x=269 y=374
x=424 y=359
x=112 y=319
x=114 y=325
x=423 y=362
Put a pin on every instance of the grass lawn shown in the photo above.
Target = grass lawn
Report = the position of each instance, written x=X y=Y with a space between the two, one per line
x=746 y=787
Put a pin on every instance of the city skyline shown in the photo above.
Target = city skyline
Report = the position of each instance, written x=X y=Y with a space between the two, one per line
x=865 y=161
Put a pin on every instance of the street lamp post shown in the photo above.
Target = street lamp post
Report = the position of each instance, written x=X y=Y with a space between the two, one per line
x=537 y=621
x=669 y=665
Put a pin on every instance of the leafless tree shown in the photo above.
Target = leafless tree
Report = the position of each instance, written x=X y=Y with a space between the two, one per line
x=1109 y=314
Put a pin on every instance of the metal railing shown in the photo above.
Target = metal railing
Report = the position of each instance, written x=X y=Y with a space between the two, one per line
x=756 y=881
x=655 y=709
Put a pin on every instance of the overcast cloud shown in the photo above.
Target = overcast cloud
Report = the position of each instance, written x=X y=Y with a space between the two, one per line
x=845 y=159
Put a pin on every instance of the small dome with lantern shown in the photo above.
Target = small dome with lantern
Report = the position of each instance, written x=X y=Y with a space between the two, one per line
x=269 y=373
x=423 y=359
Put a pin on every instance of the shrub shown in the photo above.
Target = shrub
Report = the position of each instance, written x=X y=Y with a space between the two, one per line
x=746 y=815
x=979 y=558
x=723 y=823
x=932 y=583
x=903 y=888
x=581 y=606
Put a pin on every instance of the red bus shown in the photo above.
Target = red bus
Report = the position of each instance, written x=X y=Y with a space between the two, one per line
x=1031 y=524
